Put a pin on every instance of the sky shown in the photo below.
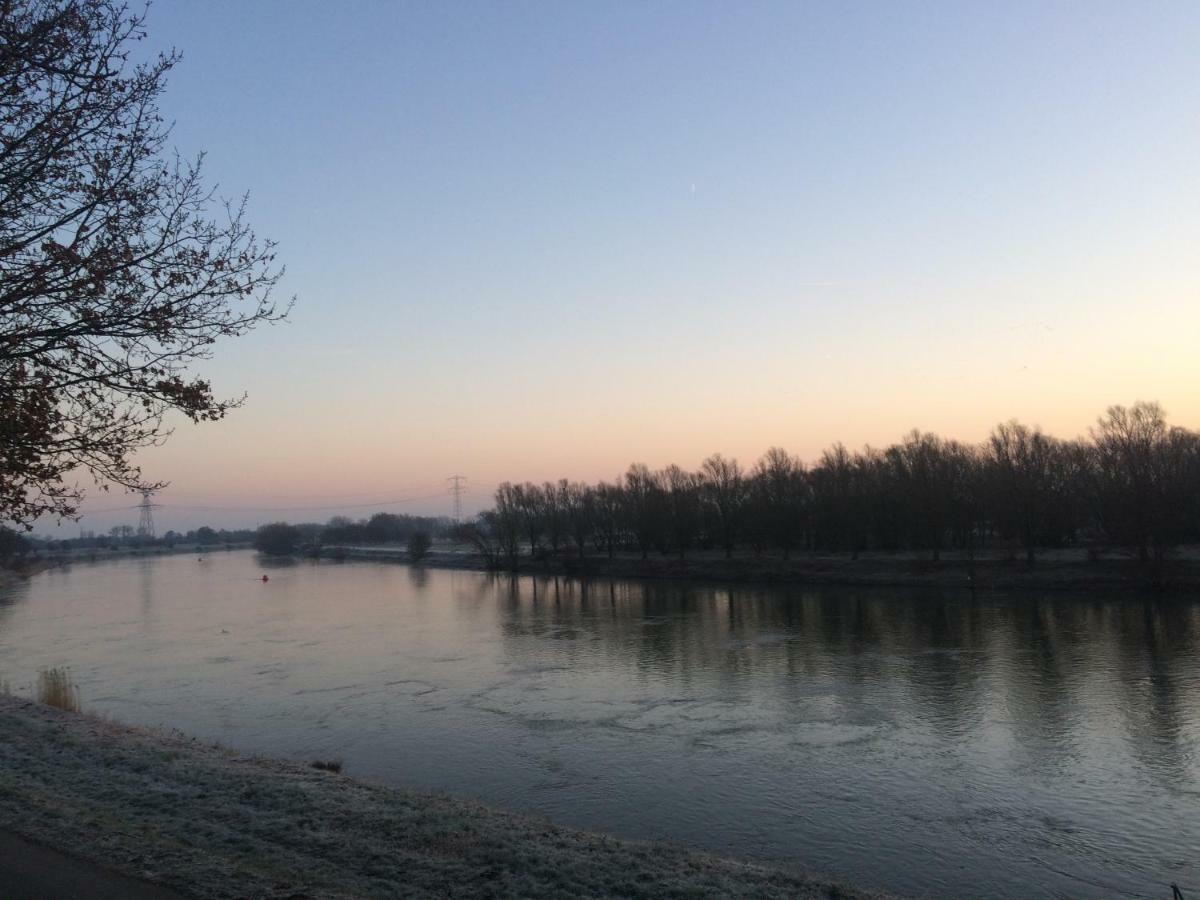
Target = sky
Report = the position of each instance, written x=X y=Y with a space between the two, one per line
x=541 y=240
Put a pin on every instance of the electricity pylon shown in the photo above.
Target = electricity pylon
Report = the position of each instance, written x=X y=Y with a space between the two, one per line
x=458 y=486
x=146 y=521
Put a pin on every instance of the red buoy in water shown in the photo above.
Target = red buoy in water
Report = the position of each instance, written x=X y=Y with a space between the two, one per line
x=265 y=578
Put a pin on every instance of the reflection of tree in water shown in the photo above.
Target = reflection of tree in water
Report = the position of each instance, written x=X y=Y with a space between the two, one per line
x=1157 y=658
x=1038 y=664
x=1046 y=640
x=12 y=593
x=937 y=648
x=418 y=577
x=146 y=588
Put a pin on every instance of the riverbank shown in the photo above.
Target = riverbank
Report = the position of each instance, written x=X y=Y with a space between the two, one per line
x=28 y=566
x=209 y=822
x=1069 y=570
x=21 y=570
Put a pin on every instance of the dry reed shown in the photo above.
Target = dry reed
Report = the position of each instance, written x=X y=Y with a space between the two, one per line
x=56 y=689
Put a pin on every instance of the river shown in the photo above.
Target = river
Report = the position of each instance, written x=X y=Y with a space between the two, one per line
x=931 y=744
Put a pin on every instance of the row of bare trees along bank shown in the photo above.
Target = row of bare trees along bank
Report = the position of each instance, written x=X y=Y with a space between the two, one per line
x=1133 y=483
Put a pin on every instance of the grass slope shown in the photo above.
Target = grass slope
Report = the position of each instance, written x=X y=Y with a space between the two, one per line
x=213 y=823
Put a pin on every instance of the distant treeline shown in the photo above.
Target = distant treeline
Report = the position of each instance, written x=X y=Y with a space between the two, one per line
x=381 y=528
x=1134 y=482
x=281 y=538
x=14 y=545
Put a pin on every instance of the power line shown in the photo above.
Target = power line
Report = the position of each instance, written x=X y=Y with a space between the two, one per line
x=109 y=509
x=395 y=501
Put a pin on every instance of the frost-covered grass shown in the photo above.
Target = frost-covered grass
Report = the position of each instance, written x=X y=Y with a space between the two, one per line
x=209 y=822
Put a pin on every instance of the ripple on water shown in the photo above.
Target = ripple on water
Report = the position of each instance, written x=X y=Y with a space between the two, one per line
x=329 y=690
x=835 y=734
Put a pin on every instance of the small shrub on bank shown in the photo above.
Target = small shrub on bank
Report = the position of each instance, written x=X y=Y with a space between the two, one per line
x=56 y=689
x=327 y=765
x=419 y=543
x=277 y=539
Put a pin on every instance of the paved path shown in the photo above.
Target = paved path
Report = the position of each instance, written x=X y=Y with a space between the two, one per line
x=30 y=871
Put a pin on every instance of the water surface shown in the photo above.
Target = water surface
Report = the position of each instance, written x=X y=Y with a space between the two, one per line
x=931 y=744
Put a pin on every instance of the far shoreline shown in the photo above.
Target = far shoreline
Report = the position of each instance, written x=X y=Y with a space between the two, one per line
x=1179 y=576
x=23 y=568
x=1065 y=572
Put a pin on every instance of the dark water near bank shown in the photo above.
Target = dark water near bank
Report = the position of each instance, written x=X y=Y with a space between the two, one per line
x=939 y=745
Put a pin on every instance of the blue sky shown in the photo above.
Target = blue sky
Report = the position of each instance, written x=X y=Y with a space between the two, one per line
x=543 y=239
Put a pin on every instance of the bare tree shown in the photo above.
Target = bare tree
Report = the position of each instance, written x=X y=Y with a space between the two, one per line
x=119 y=269
x=530 y=506
x=962 y=473
x=683 y=506
x=609 y=502
x=483 y=536
x=921 y=464
x=642 y=495
x=1129 y=454
x=554 y=519
x=780 y=488
x=834 y=496
x=578 y=504
x=1023 y=461
x=727 y=492
x=1180 y=486
x=504 y=523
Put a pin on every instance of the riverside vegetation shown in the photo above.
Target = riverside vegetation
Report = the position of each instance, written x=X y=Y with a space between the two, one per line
x=1130 y=489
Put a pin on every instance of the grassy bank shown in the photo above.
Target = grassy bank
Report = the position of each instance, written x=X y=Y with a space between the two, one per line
x=95 y=554
x=1056 y=571
x=209 y=822
x=20 y=569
